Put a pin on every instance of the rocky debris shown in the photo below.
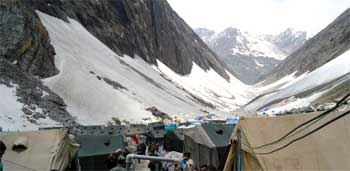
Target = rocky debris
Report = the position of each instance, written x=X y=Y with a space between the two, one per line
x=147 y=28
x=29 y=91
x=315 y=108
x=24 y=41
x=26 y=55
x=114 y=84
x=116 y=120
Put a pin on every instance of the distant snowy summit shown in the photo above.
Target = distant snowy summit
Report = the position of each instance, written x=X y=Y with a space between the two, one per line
x=288 y=40
x=250 y=56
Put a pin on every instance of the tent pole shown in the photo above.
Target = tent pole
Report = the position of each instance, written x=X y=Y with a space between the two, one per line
x=239 y=166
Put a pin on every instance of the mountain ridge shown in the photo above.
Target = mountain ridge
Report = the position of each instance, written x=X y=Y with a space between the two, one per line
x=250 y=56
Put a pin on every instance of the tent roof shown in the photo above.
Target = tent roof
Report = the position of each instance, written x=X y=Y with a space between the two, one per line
x=102 y=130
x=45 y=150
x=94 y=145
x=211 y=134
x=220 y=134
x=326 y=149
x=158 y=133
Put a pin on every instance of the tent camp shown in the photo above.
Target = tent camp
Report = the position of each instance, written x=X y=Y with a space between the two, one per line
x=97 y=142
x=174 y=140
x=38 y=150
x=313 y=146
x=208 y=144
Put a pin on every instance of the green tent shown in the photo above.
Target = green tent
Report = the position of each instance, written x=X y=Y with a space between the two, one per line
x=174 y=140
x=96 y=143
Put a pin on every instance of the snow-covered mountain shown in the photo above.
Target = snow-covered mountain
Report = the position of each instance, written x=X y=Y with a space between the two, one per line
x=251 y=56
x=288 y=40
x=84 y=62
x=89 y=61
x=317 y=72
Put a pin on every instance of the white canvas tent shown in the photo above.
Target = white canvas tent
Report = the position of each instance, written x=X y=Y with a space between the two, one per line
x=325 y=149
x=38 y=150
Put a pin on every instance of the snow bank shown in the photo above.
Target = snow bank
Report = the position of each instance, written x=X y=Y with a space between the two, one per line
x=84 y=62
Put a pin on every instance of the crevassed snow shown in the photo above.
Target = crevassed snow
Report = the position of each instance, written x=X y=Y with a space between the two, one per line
x=82 y=59
x=12 y=117
x=332 y=70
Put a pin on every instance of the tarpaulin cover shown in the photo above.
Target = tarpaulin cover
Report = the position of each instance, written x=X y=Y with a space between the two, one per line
x=326 y=149
x=38 y=150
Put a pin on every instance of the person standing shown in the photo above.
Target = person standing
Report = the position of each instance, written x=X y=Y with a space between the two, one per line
x=154 y=165
x=2 y=152
x=187 y=163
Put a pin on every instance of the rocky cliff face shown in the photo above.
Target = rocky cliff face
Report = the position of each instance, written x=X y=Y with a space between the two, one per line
x=323 y=47
x=24 y=40
x=149 y=29
x=25 y=56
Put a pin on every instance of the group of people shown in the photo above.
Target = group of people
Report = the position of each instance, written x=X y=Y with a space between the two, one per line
x=116 y=161
x=186 y=164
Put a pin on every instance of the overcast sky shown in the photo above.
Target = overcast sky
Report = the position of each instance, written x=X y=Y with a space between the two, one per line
x=260 y=16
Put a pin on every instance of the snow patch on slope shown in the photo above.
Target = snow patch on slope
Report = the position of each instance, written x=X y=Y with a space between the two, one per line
x=84 y=63
x=248 y=44
x=12 y=117
x=290 y=86
x=296 y=103
x=256 y=45
x=209 y=85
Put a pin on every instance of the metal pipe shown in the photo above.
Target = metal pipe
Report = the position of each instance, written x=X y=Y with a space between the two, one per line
x=131 y=157
x=239 y=164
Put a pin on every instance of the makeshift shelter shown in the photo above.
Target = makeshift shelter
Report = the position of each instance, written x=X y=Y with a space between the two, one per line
x=156 y=132
x=156 y=126
x=155 y=136
x=38 y=150
x=99 y=130
x=96 y=147
x=321 y=144
x=208 y=144
x=174 y=140
x=136 y=129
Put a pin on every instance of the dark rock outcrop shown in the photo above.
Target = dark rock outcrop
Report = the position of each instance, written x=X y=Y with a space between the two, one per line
x=24 y=40
x=25 y=56
x=31 y=93
x=148 y=28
